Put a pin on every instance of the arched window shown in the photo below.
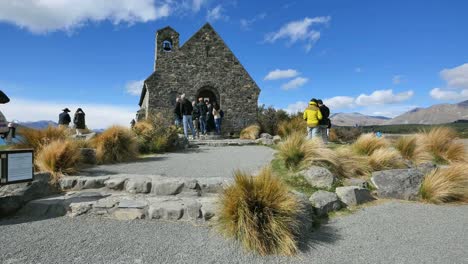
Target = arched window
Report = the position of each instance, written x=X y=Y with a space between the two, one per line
x=167 y=46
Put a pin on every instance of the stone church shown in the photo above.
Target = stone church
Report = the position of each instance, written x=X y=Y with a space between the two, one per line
x=203 y=66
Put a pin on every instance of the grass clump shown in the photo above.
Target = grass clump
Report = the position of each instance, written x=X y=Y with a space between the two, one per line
x=250 y=132
x=366 y=144
x=116 y=144
x=350 y=164
x=442 y=143
x=260 y=213
x=412 y=149
x=386 y=159
x=445 y=185
x=295 y=125
x=38 y=138
x=155 y=135
x=58 y=157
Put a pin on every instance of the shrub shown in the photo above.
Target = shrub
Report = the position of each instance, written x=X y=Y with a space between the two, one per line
x=295 y=125
x=156 y=134
x=250 y=132
x=38 y=138
x=260 y=213
x=333 y=137
x=441 y=143
x=269 y=118
x=386 y=159
x=446 y=185
x=58 y=157
x=350 y=164
x=115 y=144
x=346 y=134
x=412 y=149
x=366 y=144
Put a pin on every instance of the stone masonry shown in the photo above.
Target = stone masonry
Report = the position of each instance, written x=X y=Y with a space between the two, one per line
x=202 y=67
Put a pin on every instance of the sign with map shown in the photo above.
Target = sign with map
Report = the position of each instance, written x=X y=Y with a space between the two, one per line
x=16 y=166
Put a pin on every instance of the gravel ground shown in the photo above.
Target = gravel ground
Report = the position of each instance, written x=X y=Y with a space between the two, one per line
x=393 y=232
x=208 y=162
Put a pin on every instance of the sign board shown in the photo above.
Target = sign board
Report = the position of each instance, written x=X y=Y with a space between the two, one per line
x=16 y=166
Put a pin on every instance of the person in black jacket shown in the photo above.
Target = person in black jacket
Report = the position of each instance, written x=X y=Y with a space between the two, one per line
x=186 y=110
x=64 y=118
x=196 y=118
x=79 y=121
x=202 y=110
x=177 y=113
x=324 y=124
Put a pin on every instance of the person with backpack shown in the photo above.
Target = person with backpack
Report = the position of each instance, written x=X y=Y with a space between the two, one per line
x=177 y=113
x=186 y=110
x=312 y=116
x=217 y=117
x=324 y=124
x=79 y=121
x=196 y=118
x=64 y=118
x=202 y=110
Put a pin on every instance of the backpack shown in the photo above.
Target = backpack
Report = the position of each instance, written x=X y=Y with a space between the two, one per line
x=221 y=113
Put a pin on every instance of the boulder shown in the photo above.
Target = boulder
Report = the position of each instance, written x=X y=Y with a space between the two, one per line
x=277 y=139
x=166 y=210
x=115 y=183
x=399 y=184
x=67 y=182
x=325 y=202
x=356 y=182
x=426 y=167
x=88 y=156
x=265 y=141
x=167 y=187
x=266 y=136
x=138 y=185
x=353 y=195
x=129 y=214
x=213 y=185
x=305 y=214
x=208 y=207
x=319 y=177
x=193 y=210
x=92 y=182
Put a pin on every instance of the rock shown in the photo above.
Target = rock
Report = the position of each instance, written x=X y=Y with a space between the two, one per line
x=45 y=208
x=10 y=204
x=426 y=167
x=193 y=210
x=167 y=210
x=88 y=156
x=67 y=182
x=77 y=209
x=115 y=183
x=138 y=185
x=134 y=204
x=266 y=136
x=167 y=187
x=353 y=195
x=319 y=177
x=356 y=182
x=325 y=202
x=305 y=214
x=265 y=141
x=276 y=139
x=129 y=214
x=208 y=207
x=42 y=176
x=399 y=184
x=91 y=182
x=213 y=185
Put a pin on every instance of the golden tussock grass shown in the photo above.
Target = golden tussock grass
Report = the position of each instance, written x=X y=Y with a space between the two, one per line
x=116 y=144
x=350 y=164
x=59 y=157
x=386 y=159
x=366 y=144
x=37 y=138
x=412 y=149
x=250 y=132
x=260 y=213
x=295 y=125
x=442 y=143
x=445 y=185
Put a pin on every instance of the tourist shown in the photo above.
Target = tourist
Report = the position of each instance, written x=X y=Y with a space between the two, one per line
x=196 y=118
x=177 y=112
x=132 y=123
x=186 y=110
x=64 y=118
x=312 y=115
x=217 y=117
x=202 y=110
x=325 y=122
x=79 y=121
x=209 y=117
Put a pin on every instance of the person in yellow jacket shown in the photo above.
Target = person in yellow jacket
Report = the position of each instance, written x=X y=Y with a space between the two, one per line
x=313 y=116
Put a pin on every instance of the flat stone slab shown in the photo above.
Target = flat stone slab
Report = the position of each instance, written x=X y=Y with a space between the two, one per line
x=138 y=204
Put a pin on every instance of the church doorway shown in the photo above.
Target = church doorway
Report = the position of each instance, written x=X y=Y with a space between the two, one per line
x=208 y=93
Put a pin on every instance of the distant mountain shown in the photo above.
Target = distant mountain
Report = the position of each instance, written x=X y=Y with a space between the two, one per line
x=352 y=119
x=436 y=114
x=39 y=124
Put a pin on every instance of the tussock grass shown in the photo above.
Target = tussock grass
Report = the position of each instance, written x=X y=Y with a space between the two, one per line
x=366 y=144
x=295 y=125
x=350 y=164
x=156 y=134
x=58 y=157
x=441 y=143
x=333 y=137
x=445 y=185
x=412 y=149
x=115 y=144
x=260 y=213
x=250 y=132
x=386 y=159
x=38 y=138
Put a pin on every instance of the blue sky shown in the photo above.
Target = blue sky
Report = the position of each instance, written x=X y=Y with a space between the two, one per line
x=374 y=57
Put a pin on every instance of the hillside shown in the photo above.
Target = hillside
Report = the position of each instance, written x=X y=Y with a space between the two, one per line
x=39 y=124
x=436 y=114
x=352 y=119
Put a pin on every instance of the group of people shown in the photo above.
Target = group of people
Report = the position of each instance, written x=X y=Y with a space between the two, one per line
x=318 y=122
x=78 y=120
x=200 y=118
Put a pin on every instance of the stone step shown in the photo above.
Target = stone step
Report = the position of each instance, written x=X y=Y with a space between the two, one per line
x=123 y=206
x=223 y=142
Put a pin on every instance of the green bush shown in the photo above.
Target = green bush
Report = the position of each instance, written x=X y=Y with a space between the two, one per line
x=156 y=134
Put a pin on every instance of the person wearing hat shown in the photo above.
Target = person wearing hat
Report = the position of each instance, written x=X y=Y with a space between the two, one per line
x=64 y=118
x=312 y=116
x=79 y=121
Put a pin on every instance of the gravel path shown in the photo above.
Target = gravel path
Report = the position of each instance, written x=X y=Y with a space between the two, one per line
x=394 y=232
x=194 y=163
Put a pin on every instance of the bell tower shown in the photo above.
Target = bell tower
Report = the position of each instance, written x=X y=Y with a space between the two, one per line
x=167 y=42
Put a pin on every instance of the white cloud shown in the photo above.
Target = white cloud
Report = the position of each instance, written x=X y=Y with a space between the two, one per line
x=197 y=4
x=299 y=30
x=42 y=16
x=97 y=115
x=295 y=83
x=456 y=77
x=281 y=74
x=397 y=79
x=383 y=97
x=246 y=24
x=449 y=95
x=216 y=14
x=299 y=106
x=339 y=102
x=134 y=87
